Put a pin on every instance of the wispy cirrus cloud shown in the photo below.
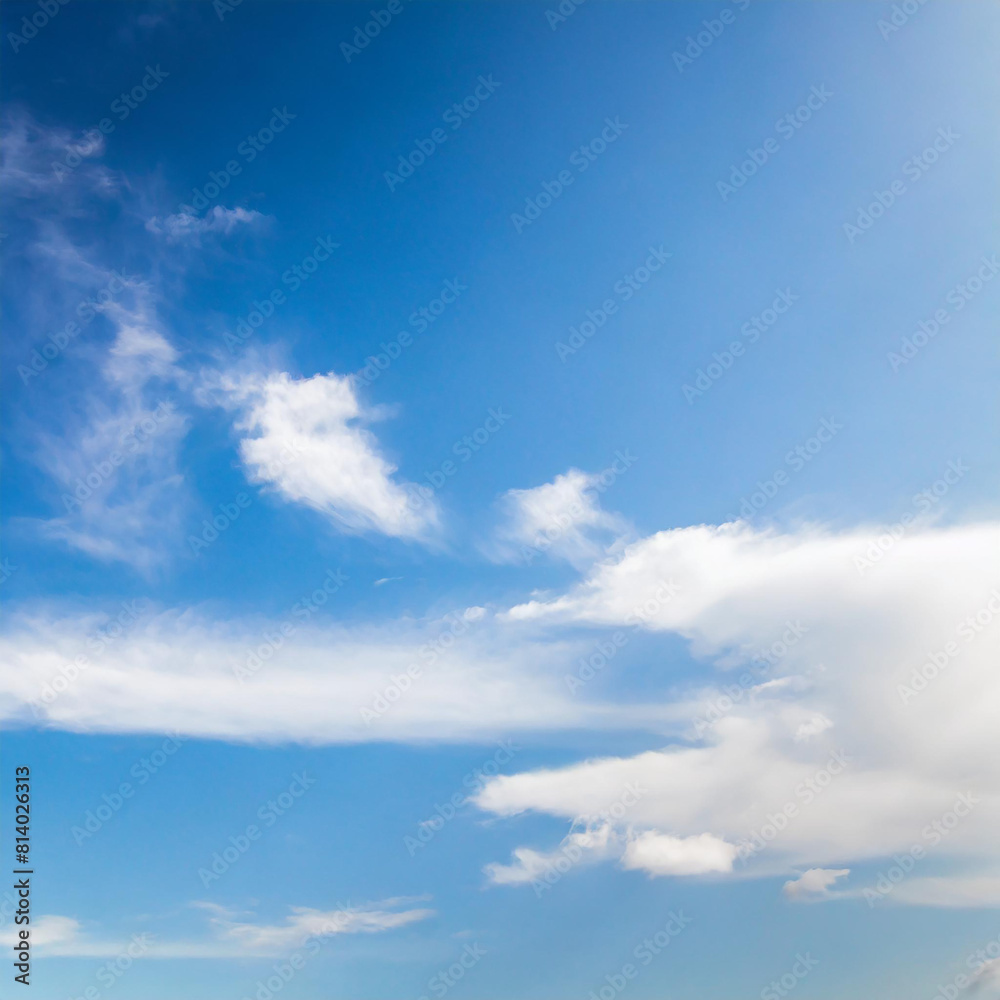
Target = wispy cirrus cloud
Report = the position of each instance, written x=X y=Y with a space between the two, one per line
x=186 y=227
x=230 y=933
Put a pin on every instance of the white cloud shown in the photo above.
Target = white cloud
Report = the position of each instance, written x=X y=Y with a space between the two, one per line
x=895 y=667
x=30 y=153
x=121 y=494
x=228 y=937
x=563 y=518
x=813 y=726
x=463 y=677
x=304 y=923
x=46 y=930
x=986 y=979
x=586 y=846
x=813 y=884
x=188 y=227
x=901 y=661
x=661 y=854
x=104 y=422
x=305 y=437
x=955 y=891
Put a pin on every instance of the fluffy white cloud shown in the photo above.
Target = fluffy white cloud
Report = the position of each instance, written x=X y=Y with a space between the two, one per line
x=188 y=227
x=563 y=518
x=813 y=884
x=885 y=717
x=305 y=437
x=661 y=854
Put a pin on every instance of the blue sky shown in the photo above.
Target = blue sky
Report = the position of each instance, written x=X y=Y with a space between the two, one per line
x=482 y=553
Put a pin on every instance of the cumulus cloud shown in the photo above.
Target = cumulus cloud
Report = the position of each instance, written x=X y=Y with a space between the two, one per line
x=814 y=884
x=661 y=854
x=190 y=228
x=563 y=518
x=852 y=757
x=306 y=438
